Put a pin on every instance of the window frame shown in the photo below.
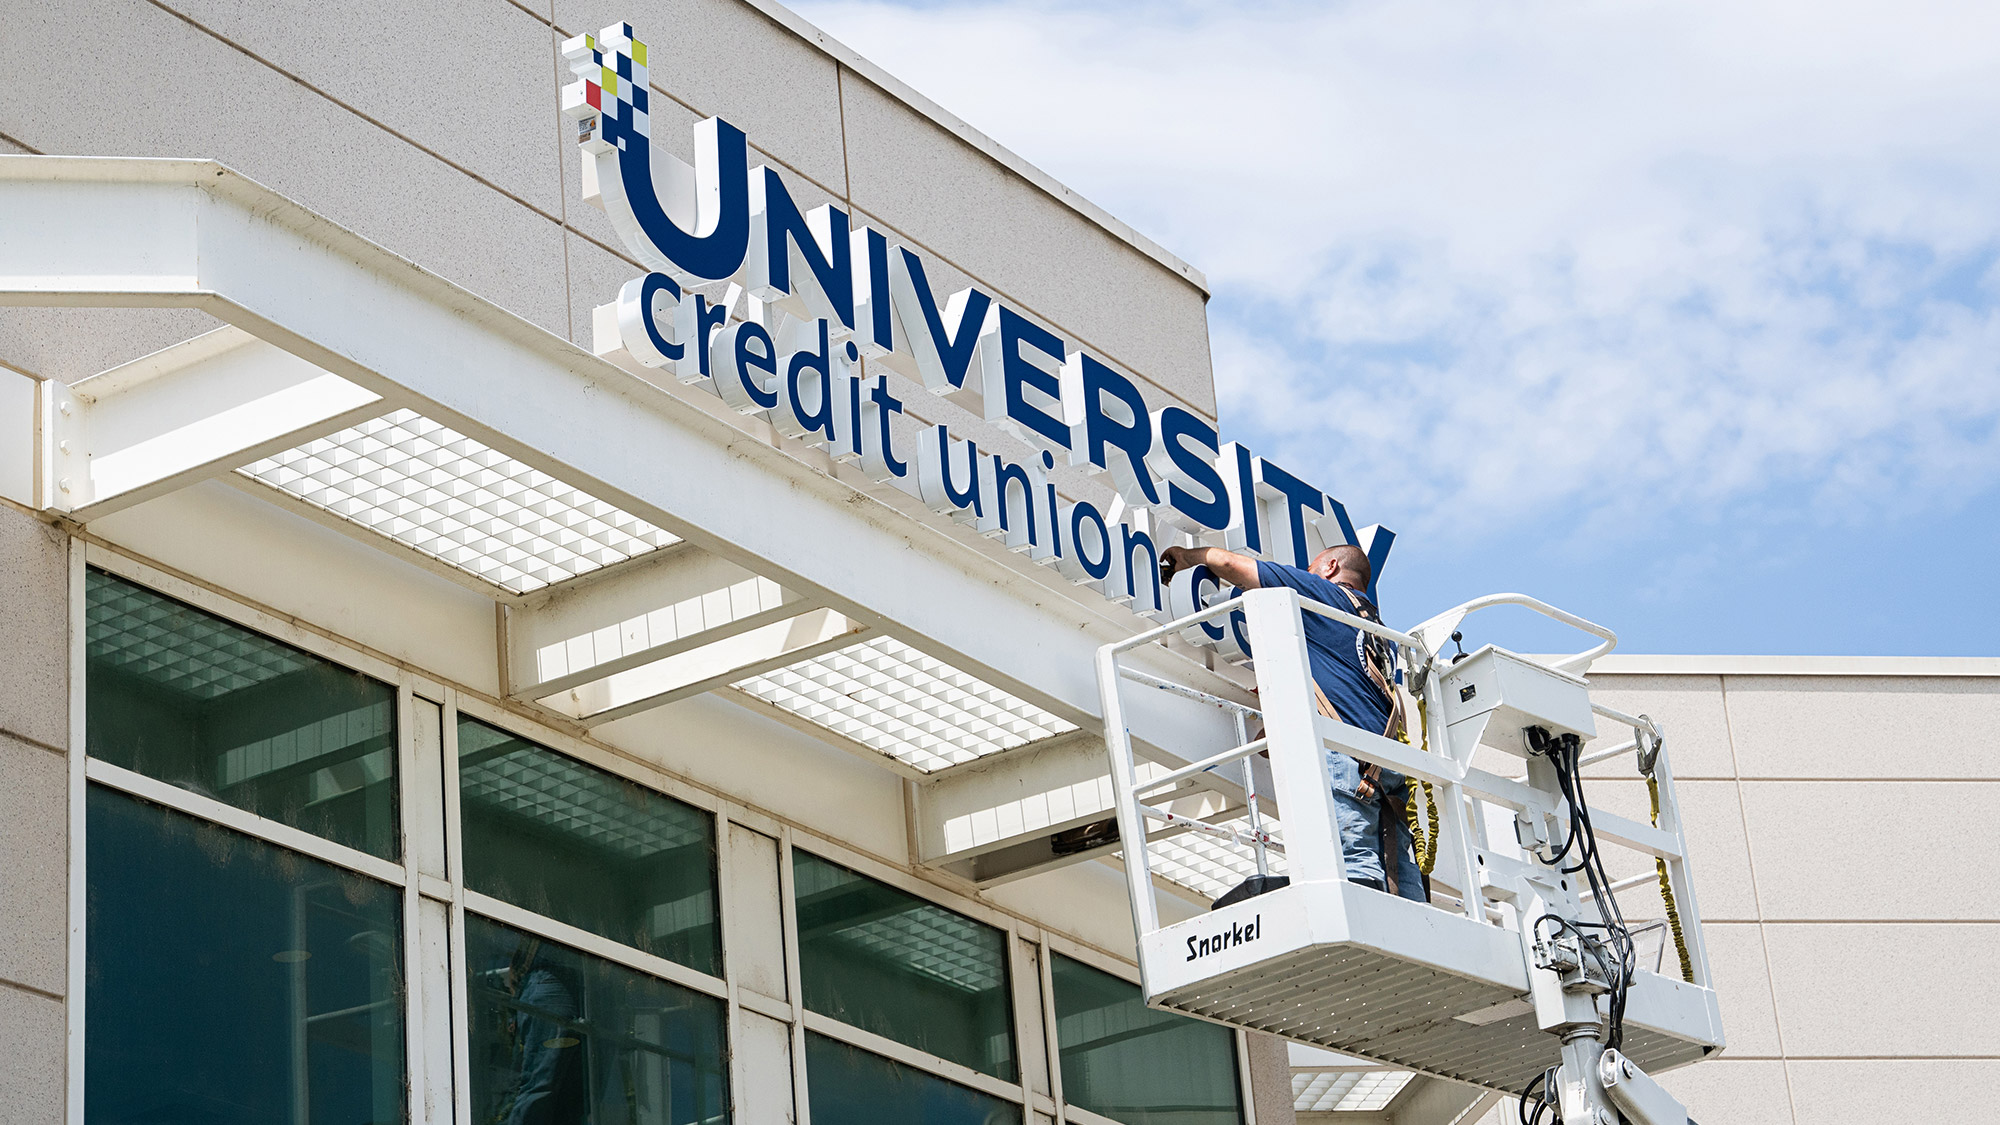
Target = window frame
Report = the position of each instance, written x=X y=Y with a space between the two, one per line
x=1020 y=1091
x=619 y=766
x=1092 y=957
x=436 y=1003
x=86 y=771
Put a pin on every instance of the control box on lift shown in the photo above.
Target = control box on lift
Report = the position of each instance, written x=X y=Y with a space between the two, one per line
x=1492 y=697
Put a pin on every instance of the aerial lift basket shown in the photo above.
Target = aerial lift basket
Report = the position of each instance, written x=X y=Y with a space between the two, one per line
x=1446 y=988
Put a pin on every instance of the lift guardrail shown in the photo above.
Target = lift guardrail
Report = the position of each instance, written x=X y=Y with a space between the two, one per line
x=1465 y=987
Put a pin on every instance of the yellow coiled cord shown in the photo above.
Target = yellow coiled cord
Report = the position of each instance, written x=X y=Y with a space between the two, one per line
x=1426 y=848
x=1667 y=890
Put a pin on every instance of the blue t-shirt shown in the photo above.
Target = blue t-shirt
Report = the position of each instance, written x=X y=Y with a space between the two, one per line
x=1333 y=647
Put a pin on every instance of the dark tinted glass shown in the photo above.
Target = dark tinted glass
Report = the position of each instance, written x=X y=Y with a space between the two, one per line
x=232 y=982
x=546 y=832
x=186 y=697
x=564 y=1038
x=891 y=963
x=1135 y=1064
x=849 y=1086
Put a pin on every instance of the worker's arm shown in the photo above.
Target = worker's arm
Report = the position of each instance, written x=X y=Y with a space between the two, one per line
x=1239 y=571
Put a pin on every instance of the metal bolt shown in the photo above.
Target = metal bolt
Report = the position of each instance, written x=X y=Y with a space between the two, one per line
x=64 y=407
x=1604 y=1118
x=63 y=484
x=63 y=445
x=1630 y=1072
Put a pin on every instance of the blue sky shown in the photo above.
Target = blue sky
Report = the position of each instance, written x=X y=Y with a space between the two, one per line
x=1684 y=316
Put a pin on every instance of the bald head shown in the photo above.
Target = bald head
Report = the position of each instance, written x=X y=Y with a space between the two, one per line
x=1345 y=564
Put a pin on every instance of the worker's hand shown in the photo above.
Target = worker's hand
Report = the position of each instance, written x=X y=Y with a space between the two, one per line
x=1237 y=570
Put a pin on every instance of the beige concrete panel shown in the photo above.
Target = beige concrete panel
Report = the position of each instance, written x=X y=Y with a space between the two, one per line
x=1734 y=1092
x=1018 y=240
x=1717 y=853
x=32 y=1084
x=34 y=878
x=595 y=275
x=1875 y=1091
x=34 y=629
x=271 y=557
x=1688 y=708
x=1270 y=1079
x=1848 y=726
x=1875 y=850
x=1887 y=990
x=754 y=897
x=806 y=191
x=473 y=81
x=726 y=60
x=1743 y=987
x=71 y=344
x=149 y=67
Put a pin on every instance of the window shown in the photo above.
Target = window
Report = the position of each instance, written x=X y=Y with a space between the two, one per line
x=891 y=963
x=849 y=1086
x=248 y=974
x=559 y=1036
x=550 y=834
x=1137 y=1065
x=183 y=696
x=234 y=982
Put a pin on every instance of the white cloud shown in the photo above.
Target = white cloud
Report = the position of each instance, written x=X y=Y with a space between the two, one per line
x=1534 y=260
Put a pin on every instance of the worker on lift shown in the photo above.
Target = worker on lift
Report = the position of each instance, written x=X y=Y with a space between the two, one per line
x=1351 y=676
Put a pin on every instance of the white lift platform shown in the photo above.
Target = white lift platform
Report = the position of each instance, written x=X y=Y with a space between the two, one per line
x=1512 y=950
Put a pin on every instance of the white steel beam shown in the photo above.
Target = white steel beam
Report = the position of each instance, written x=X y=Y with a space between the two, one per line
x=635 y=615
x=183 y=414
x=98 y=231
x=985 y=805
x=990 y=820
x=710 y=666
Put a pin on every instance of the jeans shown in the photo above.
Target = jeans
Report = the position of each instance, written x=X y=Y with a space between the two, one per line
x=1361 y=827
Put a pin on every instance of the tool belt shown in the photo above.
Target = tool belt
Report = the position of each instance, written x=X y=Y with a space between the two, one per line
x=1378 y=663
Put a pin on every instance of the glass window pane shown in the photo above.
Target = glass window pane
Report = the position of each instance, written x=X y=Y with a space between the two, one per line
x=1136 y=1064
x=186 y=697
x=891 y=963
x=849 y=1086
x=551 y=834
x=233 y=982
x=560 y=1037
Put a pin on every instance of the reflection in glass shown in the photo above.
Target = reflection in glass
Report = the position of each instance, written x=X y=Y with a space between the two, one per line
x=849 y=1086
x=550 y=834
x=891 y=963
x=186 y=697
x=232 y=982
x=1135 y=1064
x=560 y=1037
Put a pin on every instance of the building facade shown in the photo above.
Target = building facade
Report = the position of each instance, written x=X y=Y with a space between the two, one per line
x=417 y=709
